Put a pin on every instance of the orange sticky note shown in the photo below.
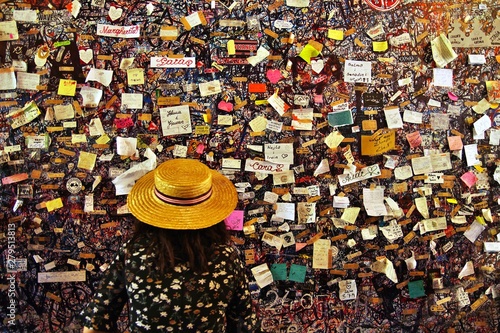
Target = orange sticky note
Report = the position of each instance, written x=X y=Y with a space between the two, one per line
x=455 y=142
x=257 y=88
x=66 y=87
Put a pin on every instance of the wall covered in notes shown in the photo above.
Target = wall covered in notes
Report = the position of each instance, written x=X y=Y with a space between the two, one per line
x=362 y=136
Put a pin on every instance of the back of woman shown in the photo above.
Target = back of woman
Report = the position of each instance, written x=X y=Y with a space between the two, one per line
x=178 y=273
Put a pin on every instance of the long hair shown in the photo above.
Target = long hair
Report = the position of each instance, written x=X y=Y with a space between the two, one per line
x=170 y=247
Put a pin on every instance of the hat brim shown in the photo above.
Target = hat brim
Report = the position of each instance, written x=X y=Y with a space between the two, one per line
x=145 y=205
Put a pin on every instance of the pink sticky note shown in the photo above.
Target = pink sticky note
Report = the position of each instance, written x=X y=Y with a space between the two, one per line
x=235 y=220
x=452 y=96
x=469 y=178
x=200 y=148
x=274 y=75
x=225 y=106
x=414 y=139
x=318 y=99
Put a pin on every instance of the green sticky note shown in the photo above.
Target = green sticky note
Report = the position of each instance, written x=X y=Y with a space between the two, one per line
x=278 y=271
x=308 y=52
x=416 y=288
x=297 y=273
x=340 y=118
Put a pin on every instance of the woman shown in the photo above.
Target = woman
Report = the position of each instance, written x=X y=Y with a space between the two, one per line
x=178 y=272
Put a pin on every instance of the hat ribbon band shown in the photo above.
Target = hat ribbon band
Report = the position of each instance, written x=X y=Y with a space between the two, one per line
x=183 y=201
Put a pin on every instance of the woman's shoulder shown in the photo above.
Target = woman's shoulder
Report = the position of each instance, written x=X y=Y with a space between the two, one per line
x=227 y=252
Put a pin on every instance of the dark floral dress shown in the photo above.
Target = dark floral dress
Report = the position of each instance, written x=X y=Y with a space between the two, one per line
x=178 y=301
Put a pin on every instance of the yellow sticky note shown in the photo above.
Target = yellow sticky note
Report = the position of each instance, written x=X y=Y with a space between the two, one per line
x=66 y=87
x=334 y=139
x=380 y=46
x=231 y=48
x=103 y=139
x=452 y=201
x=308 y=52
x=54 y=204
x=86 y=160
x=78 y=138
x=480 y=220
x=479 y=168
x=336 y=34
x=135 y=76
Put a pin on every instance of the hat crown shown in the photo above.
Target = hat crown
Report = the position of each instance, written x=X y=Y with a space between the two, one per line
x=184 y=179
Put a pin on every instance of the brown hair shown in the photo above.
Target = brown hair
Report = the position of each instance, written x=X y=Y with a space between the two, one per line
x=170 y=247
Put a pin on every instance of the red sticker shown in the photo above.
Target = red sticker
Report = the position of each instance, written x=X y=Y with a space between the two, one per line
x=383 y=5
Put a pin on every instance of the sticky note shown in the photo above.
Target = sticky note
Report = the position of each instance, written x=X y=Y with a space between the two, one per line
x=380 y=46
x=66 y=87
x=469 y=178
x=54 y=204
x=235 y=220
x=278 y=271
x=308 y=52
x=103 y=139
x=336 y=34
x=297 y=273
x=378 y=143
x=455 y=142
x=416 y=289
x=231 y=48
x=340 y=118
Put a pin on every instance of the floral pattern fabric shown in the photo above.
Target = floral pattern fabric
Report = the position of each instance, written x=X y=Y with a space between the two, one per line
x=178 y=301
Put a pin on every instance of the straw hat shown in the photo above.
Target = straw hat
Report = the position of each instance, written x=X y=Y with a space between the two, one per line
x=182 y=194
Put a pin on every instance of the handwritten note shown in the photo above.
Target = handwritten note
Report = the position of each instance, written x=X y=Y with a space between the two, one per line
x=302 y=119
x=132 y=100
x=66 y=87
x=279 y=153
x=71 y=276
x=358 y=71
x=306 y=212
x=8 y=78
x=90 y=96
x=373 y=200
x=175 y=120
x=262 y=275
x=8 y=31
x=235 y=220
x=393 y=118
x=365 y=173
x=378 y=143
x=28 y=81
x=347 y=290
x=322 y=255
x=103 y=76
